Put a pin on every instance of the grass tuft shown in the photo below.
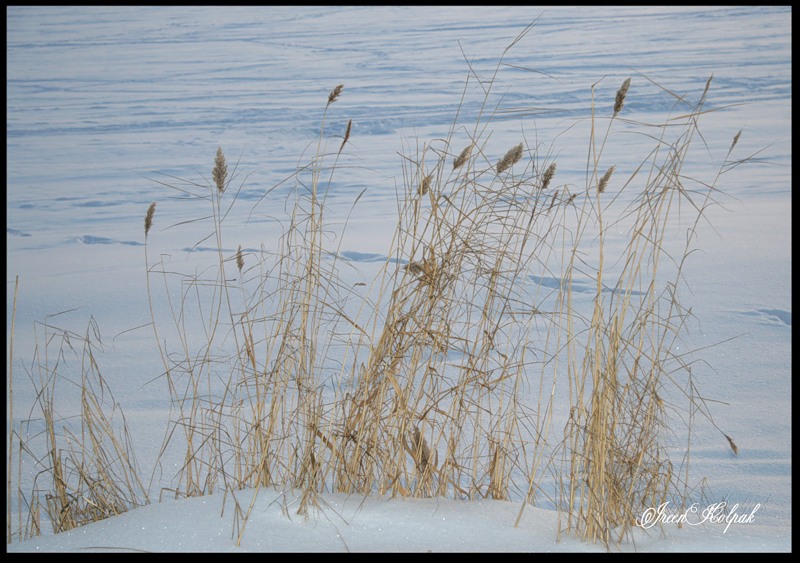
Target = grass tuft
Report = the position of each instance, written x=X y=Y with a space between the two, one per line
x=440 y=378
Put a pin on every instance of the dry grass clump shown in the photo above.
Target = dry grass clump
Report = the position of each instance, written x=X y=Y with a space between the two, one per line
x=88 y=470
x=443 y=379
x=623 y=359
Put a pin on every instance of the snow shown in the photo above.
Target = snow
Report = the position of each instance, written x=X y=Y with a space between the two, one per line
x=356 y=524
x=103 y=102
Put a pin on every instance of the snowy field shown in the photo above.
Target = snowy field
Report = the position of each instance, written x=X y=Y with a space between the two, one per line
x=104 y=105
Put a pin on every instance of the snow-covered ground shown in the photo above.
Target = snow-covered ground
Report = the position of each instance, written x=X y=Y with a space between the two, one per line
x=103 y=102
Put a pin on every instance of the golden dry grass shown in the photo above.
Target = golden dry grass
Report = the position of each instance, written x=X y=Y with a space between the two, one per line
x=440 y=382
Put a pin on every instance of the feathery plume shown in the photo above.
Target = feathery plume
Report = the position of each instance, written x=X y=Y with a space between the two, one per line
x=735 y=140
x=239 y=259
x=462 y=158
x=548 y=175
x=422 y=452
x=148 y=219
x=220 y=171
x=335 y=93
x=416 y=268
x=425 y=185
x=601 y=187
x=428 y=271
x=346 y=134
x=732 y=444
x=621 y=93
x=705 y=90
x=510 y=159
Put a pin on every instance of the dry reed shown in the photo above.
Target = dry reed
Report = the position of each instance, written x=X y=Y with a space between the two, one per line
x=87 y=455
x=735 y=140
x=148 y=218
x=547 y=177
x=10 y=445
x=450 y=343
x=732 y=444
x=220 y=171
x=619 y=101
x=425 y=185
x=335 y=93
x=239 y=259
x=459 y=161
x=603 y=183
x=510 y=159
x=346 y=134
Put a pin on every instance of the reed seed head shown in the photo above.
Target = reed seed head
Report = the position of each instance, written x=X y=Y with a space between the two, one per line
x=429 y=267
x=621 y=93
x=601 y=187
x=510 y=159
x=335 y=93
x=735 y=140
x=705 y=90
x=239 y=259
x=548 y=175
x=462 y=158
x=422 y=451
x=148 y=219
x=346 y=134
x=732 y=444
x=416 y=268
x=425 y=184
x=220 y=171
